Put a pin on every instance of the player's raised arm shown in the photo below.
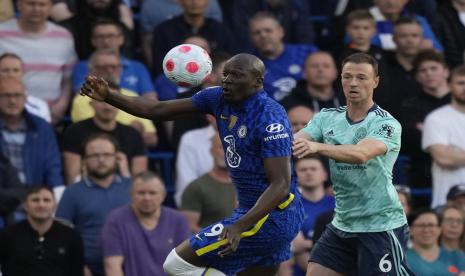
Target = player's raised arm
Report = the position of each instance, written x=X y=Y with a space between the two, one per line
x=98 y=89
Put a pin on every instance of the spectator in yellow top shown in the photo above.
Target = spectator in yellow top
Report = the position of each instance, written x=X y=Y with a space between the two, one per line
x=106 y=63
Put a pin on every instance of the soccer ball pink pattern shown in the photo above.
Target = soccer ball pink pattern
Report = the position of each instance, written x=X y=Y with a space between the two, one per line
x=187 y=65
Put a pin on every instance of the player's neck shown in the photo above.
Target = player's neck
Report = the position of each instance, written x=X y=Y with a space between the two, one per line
x=430 y=252
x=41 y=226
x=458 y=106
x=220 y=174
x=31 y=28
x=323 y=93
x=406 y=61
x=195 y=21
x=450 y=244
x=357 y=111
x=275 y=53
x=105 y=125
x=313 y=194
x=148 y=221
x=437 y=92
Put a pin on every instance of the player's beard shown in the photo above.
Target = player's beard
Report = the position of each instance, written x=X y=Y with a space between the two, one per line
x=459 y=100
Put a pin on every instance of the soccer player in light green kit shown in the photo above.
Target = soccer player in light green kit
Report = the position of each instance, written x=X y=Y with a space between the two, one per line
x=369 y=232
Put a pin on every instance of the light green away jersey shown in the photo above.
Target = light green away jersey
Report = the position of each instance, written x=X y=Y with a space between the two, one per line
x=366 y=200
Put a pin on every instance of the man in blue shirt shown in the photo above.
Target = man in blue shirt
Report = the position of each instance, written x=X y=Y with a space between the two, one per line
x=107 y=34
x=284 y=62
x=87 y=203
x=256 y=137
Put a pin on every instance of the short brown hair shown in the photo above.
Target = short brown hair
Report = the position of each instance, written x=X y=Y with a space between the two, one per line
x=428 y=55
x=360 y=58
x=458 y=71
x=360 y=14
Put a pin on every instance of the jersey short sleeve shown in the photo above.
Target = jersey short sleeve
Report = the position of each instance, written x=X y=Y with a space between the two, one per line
x=388 y=131
x=275 y=134
x=313 y=127
x=207 y=99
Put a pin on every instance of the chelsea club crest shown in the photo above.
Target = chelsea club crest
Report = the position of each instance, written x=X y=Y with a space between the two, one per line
x=242 y=131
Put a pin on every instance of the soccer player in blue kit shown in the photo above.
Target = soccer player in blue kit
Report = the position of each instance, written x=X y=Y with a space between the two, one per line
x=257 y=139
x=369 y=232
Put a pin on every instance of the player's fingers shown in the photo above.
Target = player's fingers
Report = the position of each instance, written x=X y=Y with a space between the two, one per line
x=226 y=251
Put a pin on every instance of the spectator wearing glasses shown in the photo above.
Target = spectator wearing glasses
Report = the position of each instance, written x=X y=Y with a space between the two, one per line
x=427 y=257
x=452 y=228
x=87 y=203
x=40 y=245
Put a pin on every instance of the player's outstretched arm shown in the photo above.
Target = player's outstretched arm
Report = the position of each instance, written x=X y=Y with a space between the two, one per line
x=98 y=89
x=278 y=171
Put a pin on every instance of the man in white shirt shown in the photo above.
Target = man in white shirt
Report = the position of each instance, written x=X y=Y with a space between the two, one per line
x=444 y=138
x=194 y=158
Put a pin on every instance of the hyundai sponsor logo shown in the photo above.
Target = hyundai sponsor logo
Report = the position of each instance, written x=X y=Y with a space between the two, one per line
x=274 y=128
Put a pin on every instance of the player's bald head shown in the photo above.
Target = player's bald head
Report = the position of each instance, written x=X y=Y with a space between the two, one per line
x=250 y=63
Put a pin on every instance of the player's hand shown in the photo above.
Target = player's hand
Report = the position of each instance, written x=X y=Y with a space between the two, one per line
x=96 y=88
x=232 y=234
x=302 y=147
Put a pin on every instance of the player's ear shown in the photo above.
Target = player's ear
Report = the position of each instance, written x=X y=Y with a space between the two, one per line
x=259 y=82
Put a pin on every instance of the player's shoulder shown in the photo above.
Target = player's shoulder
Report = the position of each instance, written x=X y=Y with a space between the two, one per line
x=381 y=115
x=340 y=109
x=212 y=90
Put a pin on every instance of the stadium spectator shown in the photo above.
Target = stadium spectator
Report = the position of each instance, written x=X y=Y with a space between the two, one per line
x=65 y=9
x=449 y=27
x=87 y=12
x=426 y=257
x=136 y=238
x=386 y=13
x=194 y=158
x=452 y=228
x=294 y=17
x=107 y=64
x=405 y=197
x=40 y=245
x=284 y=62
x=212 y=196
x=361 y=28
x=26 y=140
x=299 y=116
x=11 y=65
x=155 y=12
x=444 y=141
x=407 y=35
x=311 y=178
x=316 y=90
x=131 y=142
x=456 y=196
x=109 y=34
x=432 y=73
x=7 y=11
x=247 y=120
x=193 y=21
x=47 y=52
x=87 y=203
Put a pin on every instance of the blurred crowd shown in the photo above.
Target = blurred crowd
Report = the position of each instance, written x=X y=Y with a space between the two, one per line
x=87 y=189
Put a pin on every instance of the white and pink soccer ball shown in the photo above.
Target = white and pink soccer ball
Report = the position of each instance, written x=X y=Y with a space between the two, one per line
x=187 y=65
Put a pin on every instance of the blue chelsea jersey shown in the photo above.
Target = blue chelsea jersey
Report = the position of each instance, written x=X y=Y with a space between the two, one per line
x=250 y=132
